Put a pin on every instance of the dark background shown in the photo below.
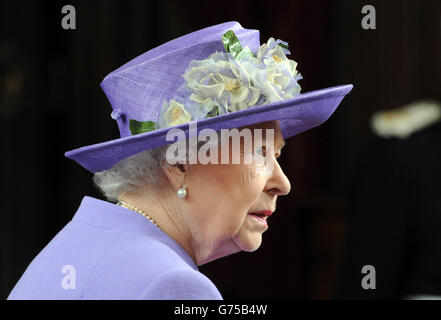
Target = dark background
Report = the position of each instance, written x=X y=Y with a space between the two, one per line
x=50 y=102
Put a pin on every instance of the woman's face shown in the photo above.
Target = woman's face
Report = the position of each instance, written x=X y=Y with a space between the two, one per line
x=224 y=199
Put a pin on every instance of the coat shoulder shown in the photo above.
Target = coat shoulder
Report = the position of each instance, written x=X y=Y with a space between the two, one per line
x=141 y=267
x=181 y=284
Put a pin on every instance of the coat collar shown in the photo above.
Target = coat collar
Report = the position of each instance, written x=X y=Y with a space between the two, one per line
x=108 y=215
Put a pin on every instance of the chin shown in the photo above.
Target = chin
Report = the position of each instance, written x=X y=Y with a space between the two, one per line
x=251 y=244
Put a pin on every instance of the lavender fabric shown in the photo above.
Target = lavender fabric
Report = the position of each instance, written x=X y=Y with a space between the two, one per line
x=137 y=90
x=116 y=254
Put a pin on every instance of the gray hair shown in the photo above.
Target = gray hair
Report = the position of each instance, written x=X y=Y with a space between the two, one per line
x=143 y=169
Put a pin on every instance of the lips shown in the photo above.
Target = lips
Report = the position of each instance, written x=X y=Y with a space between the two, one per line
x=264 y=214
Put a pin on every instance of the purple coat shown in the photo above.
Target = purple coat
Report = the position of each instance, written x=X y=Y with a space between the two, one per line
x=109 y=252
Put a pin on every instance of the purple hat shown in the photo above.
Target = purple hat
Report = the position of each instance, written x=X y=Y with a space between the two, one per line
x=220 y=77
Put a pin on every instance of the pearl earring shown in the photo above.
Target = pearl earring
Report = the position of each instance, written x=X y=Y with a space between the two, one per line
x=182 y=192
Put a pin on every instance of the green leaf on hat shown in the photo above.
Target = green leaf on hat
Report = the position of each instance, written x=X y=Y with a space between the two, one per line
x=231 y=43
x=233 y=46
x=214 y=112
x=137 y=127
x=284 y=46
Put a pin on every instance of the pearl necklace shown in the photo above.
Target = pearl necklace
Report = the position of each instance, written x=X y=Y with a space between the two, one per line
x=140 y=211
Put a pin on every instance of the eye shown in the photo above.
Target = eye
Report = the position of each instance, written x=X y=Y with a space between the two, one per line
x=261 y=151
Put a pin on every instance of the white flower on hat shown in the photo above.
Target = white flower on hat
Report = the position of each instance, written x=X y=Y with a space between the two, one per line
x=234 y=80
x=217 y=81
x=272 y=72
x=173 y=114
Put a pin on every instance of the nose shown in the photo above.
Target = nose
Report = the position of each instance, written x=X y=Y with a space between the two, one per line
x=278 y=184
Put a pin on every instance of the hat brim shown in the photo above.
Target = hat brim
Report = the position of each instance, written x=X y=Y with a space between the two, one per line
x=295 y=115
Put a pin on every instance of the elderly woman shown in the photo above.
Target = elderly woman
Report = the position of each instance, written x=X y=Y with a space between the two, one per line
x=169 y=210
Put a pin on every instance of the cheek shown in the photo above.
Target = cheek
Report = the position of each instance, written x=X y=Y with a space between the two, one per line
x=249 y=180
x=250 y=185
x=221 y=188
x=228 y=192
x=231 y=181
x=263 y=166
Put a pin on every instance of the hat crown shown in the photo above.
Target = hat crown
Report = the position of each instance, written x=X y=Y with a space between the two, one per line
x=137 y=89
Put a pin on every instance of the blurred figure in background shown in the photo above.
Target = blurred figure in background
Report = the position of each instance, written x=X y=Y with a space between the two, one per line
x=394 y=208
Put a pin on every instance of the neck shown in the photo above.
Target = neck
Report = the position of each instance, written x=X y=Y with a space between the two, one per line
x=166 y=217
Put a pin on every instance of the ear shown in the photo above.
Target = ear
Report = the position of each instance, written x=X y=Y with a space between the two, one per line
x=176 y=174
